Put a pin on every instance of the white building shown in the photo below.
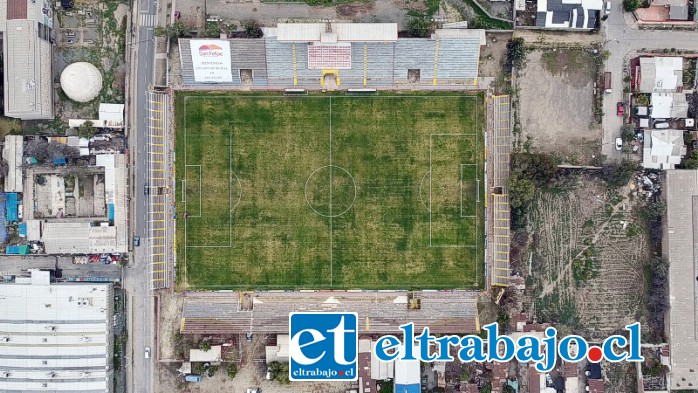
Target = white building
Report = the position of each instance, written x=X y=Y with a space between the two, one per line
x=12 y=153
x=84 y=237
x=55 y=337
x=26 y=27
x=679 y=245
x=660 y=74
x=663 y=149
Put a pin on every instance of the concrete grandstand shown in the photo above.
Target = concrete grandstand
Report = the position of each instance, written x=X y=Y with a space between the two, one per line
x=351 y=55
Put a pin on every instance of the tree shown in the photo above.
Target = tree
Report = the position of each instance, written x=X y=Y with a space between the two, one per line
x=521 y=191
x=642 y=100
x=86 y=130
x=691 y=162
x=211 y=370
x=418 y=26
x=627 y=133
x=516 y=52
x=232 y=370
x=252 y=29
x=204 y=345
x=175 y=30
x=618 y=175
x=630 y=5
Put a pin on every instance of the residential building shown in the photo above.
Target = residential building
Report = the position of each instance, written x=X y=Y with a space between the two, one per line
x=679 y=245
x=569 y=14
x=663 y=149
x=26 y=28
x=659 y=74
x=12 y=152
x=55 y=337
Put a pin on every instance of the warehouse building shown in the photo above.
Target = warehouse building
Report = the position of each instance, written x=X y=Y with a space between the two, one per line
x=25 y=26
x=55 y=337
x=679 y=245
x=334 y=55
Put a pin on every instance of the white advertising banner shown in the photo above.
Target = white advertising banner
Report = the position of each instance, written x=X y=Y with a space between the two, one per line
x=211 y=61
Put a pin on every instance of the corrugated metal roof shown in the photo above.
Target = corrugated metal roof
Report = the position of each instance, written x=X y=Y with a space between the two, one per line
x=16 y=9
x=347 y=32
x=28 y=93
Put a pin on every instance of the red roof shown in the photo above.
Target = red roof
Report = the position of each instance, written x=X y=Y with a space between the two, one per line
x=596 y=386
x=469 y=388
x=499 y=371
x=16 y=9
x=570 y=370
x=533 y=380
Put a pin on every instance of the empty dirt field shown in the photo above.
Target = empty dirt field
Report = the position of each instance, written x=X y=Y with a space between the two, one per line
x=589 y=247
x=556 y=97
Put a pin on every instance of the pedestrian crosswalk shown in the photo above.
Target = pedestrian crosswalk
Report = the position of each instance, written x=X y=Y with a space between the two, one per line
x=148 y=20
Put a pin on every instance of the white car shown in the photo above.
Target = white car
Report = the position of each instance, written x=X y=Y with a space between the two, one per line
x=147 y=352
x=608 y=7
x=268 y=374
x=619 y=144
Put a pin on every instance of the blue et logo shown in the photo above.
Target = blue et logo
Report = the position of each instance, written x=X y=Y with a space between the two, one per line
x=323 y=346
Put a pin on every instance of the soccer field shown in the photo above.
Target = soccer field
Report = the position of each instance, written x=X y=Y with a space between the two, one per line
x=341 y=192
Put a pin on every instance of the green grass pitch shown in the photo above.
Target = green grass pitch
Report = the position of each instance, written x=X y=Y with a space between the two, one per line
x=320 y=192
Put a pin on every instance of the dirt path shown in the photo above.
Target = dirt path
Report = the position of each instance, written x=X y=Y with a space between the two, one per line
x=587 y=224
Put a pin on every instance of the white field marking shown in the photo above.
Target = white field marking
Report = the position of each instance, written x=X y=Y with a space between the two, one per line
x=230 y=191
x=461 y=190
x=200 y=181
x=461 y=97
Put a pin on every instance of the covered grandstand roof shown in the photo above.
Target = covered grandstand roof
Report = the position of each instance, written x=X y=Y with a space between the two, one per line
x=379 y=312
x=445 y=59
x=339 y=32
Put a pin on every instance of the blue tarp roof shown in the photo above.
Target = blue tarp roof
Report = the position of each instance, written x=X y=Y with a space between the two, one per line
x=3 y=220
x=59 y=161
x=11 y=206
x=23 y=230
x=412 y=388
x=110 y=208
x=17 y=250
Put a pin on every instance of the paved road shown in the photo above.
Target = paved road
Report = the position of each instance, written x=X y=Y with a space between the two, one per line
x=624 y=40
x=136 y=278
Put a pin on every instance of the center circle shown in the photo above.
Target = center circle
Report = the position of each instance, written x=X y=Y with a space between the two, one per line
x=330 y=191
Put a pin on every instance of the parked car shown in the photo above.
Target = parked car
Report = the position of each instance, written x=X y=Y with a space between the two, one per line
x=147 y=352
x=620 y=109
x=608 y=7
x=146 y=189
x=268 y=374
x=70 y=41
x=619 y=143
x=254 y=390
x=136 y=241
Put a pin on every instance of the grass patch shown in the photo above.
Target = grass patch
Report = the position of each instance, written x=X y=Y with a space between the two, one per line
x=320 y=192
x=483 y=21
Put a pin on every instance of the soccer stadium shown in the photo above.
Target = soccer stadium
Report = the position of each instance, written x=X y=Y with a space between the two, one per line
x=330 y=156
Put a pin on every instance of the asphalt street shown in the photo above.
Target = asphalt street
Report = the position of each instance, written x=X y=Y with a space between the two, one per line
x=136 y=277
x=623 y=41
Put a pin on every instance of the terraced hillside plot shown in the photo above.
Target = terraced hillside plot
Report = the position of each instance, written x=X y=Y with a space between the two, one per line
x=330 y=192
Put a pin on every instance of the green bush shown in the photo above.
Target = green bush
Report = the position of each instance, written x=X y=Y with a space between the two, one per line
x=630 y=5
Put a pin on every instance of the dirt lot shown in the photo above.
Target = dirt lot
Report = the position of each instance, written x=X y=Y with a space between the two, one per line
x=588 y=250
x=493 y=54
x=556 y=91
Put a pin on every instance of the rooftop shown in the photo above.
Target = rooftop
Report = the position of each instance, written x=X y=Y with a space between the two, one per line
x=27 y=56
x=569 y=14
x=679 y=243
x=660 y=74
x=55 y=337
x=663 y=149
